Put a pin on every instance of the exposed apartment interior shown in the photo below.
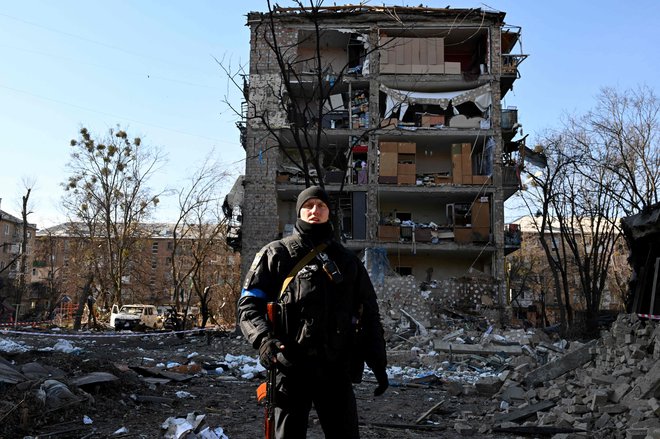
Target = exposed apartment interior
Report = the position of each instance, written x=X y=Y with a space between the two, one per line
x=402 y=114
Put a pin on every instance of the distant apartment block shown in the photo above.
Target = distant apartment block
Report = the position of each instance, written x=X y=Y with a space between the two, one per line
x=16 y=256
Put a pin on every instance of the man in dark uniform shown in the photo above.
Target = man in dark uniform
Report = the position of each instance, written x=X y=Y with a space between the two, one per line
x=329 y=324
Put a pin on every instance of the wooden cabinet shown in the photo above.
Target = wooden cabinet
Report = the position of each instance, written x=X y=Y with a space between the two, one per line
x=481 y=213
x=471 y=221
x=388 y=164
x=481 y=220
x=407 y=148
x=457 y=164
x=397 y=159
x=389 y=233
x=406 y=168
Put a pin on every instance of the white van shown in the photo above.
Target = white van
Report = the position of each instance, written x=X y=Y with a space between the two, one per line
x=135 y=317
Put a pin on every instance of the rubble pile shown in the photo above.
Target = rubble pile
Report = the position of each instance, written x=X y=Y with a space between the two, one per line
x=606 y=388
x=78 y=389
x=536 y=385
x=461 y=377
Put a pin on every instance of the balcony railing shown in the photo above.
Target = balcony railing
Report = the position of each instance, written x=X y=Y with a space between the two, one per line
x=511 y=62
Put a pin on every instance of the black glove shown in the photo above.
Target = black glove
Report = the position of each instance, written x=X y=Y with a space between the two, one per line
x=268 y=351
x=383 y=382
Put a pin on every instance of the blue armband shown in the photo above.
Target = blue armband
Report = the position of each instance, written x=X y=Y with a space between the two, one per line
x=254 y=293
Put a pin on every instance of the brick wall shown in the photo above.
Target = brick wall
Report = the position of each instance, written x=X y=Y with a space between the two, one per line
x=462 y=295
x=262 y=57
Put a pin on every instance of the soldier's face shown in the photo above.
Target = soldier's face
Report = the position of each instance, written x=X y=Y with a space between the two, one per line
x=315 y=211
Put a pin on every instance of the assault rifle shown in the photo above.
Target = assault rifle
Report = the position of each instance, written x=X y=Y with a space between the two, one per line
x=267 y=390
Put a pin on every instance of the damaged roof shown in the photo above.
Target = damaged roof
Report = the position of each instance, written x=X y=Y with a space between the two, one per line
x=395 y=12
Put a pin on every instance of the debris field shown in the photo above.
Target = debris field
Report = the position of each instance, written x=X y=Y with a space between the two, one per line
x=463 y=378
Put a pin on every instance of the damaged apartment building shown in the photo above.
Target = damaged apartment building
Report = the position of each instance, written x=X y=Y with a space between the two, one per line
x=398 y=112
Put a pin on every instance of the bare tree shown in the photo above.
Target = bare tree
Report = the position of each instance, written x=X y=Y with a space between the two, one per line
x=587 y=216
x=49 y=246
x=198 y=237
x=577 y=224
x=601 y=165
x=625 y=125
x=291 y=109
x=108 y=190
x=526 y=278
x=223 y=296
x=540 y=202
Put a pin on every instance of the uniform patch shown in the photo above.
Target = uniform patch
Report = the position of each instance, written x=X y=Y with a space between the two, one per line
x=253 y=267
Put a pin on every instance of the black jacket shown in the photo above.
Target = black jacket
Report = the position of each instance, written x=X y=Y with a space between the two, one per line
x=321 y=316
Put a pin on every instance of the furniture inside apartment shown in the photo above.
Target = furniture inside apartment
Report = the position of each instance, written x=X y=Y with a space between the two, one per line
x=470 y=221
x=397 y=163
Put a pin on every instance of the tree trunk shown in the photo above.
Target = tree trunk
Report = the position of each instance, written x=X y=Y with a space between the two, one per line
x=22 y=284
x=81 y=303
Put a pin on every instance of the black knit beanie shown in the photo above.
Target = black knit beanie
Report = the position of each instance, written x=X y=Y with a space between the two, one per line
x=311 y=192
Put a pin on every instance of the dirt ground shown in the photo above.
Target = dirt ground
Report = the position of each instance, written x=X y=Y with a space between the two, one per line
x=227 y=400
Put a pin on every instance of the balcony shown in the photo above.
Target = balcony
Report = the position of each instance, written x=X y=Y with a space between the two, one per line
x=443 y=248
x=434 y=240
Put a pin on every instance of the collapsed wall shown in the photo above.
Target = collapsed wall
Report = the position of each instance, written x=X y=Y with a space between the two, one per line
x=469 y=297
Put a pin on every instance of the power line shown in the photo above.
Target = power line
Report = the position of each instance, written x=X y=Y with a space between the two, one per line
x=117 y=117
x=88 y=40
x=131 y=72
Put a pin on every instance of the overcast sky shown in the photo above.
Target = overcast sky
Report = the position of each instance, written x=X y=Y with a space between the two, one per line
x=150 y=66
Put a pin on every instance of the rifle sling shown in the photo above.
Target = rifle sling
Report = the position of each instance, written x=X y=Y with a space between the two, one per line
x=308 y=257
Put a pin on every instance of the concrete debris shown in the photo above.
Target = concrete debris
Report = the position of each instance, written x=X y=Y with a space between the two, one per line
x=607 y=387
x=191 y=427
x=557 y=368
x=534 y=383
x=419 y=328
x=524 y=411
x=55 y=394
x=93 y=378
x=464 y=429
x=458 y=348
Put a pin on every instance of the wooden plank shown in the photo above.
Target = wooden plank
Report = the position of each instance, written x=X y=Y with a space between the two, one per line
x=458 y=348
x=525 y=412
x=154 y=371
x=429 y=412
x=564 y=364
x=429 y=427
x=537 y=430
